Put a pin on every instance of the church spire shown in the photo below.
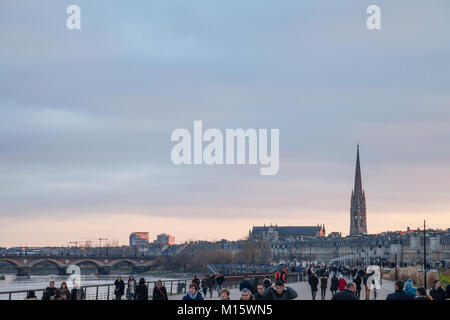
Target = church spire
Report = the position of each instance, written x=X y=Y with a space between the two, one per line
x=358 y=180
x=358 y=220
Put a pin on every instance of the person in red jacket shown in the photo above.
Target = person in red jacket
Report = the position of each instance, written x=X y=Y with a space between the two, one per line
x=341 y=283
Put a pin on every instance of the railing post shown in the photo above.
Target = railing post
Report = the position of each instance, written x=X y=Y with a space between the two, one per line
x=171 y=287
x=107 y=296
x=96 y=293
x=10 y=296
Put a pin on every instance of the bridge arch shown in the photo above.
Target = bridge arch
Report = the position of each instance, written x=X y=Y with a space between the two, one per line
x=12 y=262
x=54 y=262
x=90 y=261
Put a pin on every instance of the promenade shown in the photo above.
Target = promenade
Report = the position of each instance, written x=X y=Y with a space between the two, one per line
x=304 y=292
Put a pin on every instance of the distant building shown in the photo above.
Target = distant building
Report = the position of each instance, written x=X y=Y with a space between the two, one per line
x=165 y=238
x=139 y=239
x=286 y=233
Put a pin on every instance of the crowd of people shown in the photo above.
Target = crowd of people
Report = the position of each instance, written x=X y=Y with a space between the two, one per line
x=344 y=283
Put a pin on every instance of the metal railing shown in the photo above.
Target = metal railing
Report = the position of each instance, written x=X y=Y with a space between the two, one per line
x=173 y=287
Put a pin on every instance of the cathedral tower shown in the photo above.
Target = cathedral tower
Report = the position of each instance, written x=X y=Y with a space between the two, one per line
x=358 y=218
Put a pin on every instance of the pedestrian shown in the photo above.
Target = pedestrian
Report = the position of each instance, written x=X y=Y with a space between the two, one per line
x=436 y=292
x=205 y=284
x=211 y=284
x=196 y=281
x=399 y=294
x=159 y=291
x=409 y=288
x=49 y=293
x=220 y=279
x=131 y=289
x=63 y=292
x=357 y=281
x=342 y=283
x=260 y=292
x=447 y=292
x=347 y=294
x=247 y=294
x=193 y=293
x=245 y=284
x=366 y=283
x=313 y=282
x=141 y=290
x=323 y=285
x=421 y=294
x=225 y=294
x=267 y=283
x=334 y=284
x=120 y=288
x=280 y=292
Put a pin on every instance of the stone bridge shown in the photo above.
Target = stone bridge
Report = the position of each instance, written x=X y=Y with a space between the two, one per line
x=103 y=265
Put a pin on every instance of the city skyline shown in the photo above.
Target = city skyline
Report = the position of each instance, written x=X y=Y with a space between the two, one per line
x=86 y=116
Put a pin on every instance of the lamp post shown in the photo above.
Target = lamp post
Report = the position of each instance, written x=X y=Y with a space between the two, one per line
x=424 y=256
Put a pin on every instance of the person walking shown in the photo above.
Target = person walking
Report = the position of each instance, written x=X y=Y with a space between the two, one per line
x=313 y=282
x=347 y=294
x=436 y=292
x=159 y=291
x=399 y=294
x=205 y=284
x=120 y=288
x=193 y=293
x=196 y=281
x=342 y=283
x=141 y=290
x=409 y=288
x=131 y=289
x=245 y=284
x=323 y=285
x=211 y=284
x=334 y=284
x=220 y=279
x=357 y=281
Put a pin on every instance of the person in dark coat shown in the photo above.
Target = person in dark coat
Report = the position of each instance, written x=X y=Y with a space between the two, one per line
x=259 y=295
x=357 y=281
x=437 y=293
x=131 y=289
x=245 y=284
x=196 y=281
x=193 y=293
x=313 y=282
x=141 y=290
x=211 y=284
x=347 y=294
x=159 y=291
x=49 y=292
x=279 y=292
x=399 y=294
x=119 y=291
x=323 y=285
x=246 y=294
x=220 y=279
x=267 y=283
x=205 y=284
x=447 y=291
x=421 y=294
x=334 y=284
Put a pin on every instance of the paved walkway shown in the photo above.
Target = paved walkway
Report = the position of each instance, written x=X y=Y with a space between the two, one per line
x=304 y=292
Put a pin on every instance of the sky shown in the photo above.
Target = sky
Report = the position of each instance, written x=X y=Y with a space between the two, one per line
x=86 y=116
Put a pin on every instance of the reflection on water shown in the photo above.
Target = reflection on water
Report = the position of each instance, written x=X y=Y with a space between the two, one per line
x=35 y=282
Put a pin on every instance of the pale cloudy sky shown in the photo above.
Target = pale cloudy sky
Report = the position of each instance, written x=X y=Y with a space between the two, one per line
x=86 y=115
